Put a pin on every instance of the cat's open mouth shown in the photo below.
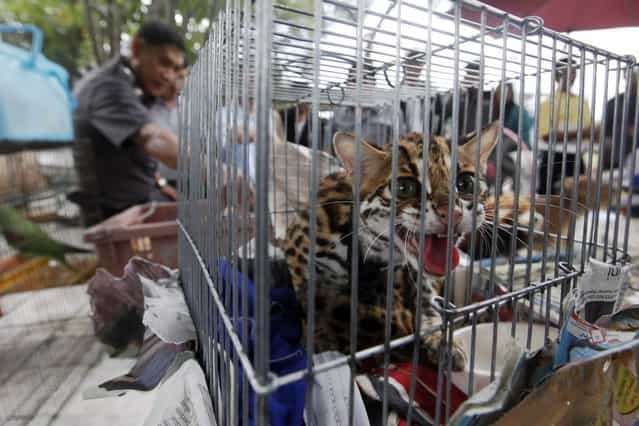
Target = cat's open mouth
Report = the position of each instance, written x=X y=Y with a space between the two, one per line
x=435 y=247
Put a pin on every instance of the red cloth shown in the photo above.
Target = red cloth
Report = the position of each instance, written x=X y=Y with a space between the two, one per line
x=568 y=15
x=425 y=388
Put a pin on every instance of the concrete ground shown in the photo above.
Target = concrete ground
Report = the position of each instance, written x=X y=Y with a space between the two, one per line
x=49 y=356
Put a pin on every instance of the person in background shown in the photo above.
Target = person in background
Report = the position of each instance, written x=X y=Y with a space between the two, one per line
x=563 y=118
x=377 y=121
x=165 y=112
x=413 y=107
x=469 y=93
x=511 y=113
x=612 y=146
x=113 y=115
x=296 y=121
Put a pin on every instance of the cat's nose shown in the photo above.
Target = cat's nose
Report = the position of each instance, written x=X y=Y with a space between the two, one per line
x=442 y=212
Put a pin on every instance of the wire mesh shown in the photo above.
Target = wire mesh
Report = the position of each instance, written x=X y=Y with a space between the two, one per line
x=536 y=128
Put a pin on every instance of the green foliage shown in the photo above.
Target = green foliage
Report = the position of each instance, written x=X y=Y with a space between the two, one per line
x=80 y=34
x=62 y=23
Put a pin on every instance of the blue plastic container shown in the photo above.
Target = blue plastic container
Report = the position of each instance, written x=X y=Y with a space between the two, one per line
x=35 y=99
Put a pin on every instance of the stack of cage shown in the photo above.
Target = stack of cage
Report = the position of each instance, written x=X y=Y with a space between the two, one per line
x=249 y=173
x=36 y=183
x=36 y=162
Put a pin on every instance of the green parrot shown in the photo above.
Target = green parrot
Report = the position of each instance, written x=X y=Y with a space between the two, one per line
x=30 y=240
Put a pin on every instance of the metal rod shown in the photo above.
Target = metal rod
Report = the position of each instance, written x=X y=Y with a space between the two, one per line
x=622 y=150
x=615 y=133
x=390 y=277
x=589 y=172
x=361 y=5
x=595 y=225
x=631 y=186
x=552 y=136
x=564 y=153
x=478 y=130
x=312 y=273
x=245 y=207
x=422 y=220
x=577 y=168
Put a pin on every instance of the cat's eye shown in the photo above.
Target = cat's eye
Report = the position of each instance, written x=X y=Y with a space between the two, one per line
x=407 y=188
x=466 y=183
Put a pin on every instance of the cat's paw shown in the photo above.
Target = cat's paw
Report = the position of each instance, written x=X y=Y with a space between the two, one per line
x=432 y=343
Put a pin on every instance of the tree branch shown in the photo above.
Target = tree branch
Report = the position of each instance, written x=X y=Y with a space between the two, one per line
x=92 y=34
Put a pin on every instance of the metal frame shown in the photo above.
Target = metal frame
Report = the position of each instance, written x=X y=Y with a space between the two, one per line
x=267 y=53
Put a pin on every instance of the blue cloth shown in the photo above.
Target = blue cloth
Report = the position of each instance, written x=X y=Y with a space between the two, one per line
x=286 y=404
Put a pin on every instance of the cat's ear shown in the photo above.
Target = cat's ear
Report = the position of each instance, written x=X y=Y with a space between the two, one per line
x=487 y=142
x=372 y=160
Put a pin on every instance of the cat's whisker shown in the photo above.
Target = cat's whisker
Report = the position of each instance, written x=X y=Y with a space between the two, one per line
x=508 y=230
x=343 y=237
x=328 y=203
x=370 y=246
x=488 y=229
x=406 y=247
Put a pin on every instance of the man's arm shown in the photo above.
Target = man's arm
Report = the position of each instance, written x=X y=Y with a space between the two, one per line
x=159 y=143
x=560 y=135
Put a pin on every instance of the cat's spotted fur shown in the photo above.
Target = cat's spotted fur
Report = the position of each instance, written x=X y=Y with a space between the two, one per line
x=334 y=238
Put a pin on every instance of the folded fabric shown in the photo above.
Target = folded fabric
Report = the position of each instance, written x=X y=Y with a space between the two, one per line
x=286 y=404
x=425 y=398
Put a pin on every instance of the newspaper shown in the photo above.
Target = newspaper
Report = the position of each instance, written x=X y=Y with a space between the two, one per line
x=183 y=399
x=580 y=339
x=601 y=289
x=331 y=397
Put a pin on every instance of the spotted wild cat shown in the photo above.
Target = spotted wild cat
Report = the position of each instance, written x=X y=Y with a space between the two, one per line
x=334 y=238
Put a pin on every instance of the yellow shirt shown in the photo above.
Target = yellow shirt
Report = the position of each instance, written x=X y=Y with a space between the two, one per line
x=562 y=116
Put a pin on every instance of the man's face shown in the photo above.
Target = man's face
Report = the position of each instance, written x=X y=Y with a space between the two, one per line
x=176 y=88
x=564 y=83
x=157 y=67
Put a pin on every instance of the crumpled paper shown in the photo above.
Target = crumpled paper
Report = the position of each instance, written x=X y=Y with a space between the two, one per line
x=166 y=313
x=117 y=303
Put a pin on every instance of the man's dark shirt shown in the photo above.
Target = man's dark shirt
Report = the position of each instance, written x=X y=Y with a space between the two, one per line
x=111 y=110
x=610 y=125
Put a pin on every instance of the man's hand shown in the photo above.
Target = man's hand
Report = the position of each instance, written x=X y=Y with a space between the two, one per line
x=240 y=135
x=169 y=191
x=571 y=134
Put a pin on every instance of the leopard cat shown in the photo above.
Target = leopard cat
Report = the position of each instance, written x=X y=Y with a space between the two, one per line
x=335 y=236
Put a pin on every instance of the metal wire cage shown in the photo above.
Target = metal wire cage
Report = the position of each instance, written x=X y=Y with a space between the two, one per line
x=270 y=90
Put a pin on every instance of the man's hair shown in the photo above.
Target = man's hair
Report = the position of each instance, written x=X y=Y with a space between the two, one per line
x=561 y=67
x=156 y=33
x=472 y=66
